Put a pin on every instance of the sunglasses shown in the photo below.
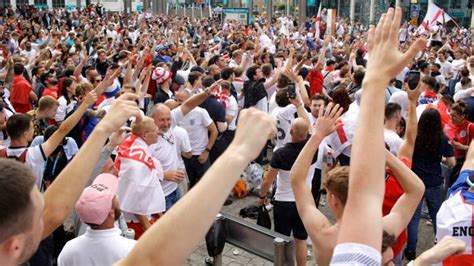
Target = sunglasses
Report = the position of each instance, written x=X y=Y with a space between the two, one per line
x=98 y=80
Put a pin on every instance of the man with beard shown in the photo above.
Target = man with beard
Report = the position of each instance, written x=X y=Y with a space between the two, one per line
x=102 y=244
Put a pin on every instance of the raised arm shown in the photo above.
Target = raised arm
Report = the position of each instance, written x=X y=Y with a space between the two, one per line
x=196 y=99
x=408 y=144
x=402 y=212
x=204 y=200
x=63 y=193
x=78 y=70
x=67 y=125
x=368 y=152
x=313 y=220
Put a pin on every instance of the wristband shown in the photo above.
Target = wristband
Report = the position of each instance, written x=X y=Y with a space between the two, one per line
x=261 y=197
x=207 y=149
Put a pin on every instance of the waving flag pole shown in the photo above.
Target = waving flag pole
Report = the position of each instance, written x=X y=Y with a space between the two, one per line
x=318 y=22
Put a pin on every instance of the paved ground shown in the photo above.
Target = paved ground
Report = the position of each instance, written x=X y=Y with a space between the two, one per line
x=426 y=238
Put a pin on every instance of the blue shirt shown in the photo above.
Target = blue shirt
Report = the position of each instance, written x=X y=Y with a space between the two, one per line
x=462 y=185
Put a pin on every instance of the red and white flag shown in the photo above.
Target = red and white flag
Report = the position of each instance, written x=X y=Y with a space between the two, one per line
x=433 y=15
x=318 y=23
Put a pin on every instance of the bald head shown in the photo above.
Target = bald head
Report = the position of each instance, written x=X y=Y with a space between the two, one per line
x=171 y=103
x=182 y=95
x=299 y=129
x=162 y=116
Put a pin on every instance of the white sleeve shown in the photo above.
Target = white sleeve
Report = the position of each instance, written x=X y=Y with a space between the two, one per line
x=35 y=155
x=233 y=108
x=176 y=116
x=206 y=119
x=60 y=113
x=185 y=143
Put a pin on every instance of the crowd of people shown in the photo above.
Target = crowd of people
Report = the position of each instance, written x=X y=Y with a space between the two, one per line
x=137 y=127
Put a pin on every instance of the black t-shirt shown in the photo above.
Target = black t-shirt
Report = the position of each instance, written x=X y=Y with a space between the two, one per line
x=429 y=168
x=161 y=96
x=254 y=91
x=284 y=158
x=215 y=109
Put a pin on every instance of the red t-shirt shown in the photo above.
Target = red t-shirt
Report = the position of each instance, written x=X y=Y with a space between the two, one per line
x=316 y=80
x=462 y=134
x=20 y=94
x=393 y=191
x=51 y=91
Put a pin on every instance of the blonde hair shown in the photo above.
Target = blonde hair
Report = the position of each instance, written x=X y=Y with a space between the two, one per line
x=337 y=182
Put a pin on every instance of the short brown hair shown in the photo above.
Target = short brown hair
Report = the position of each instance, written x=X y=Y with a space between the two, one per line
x=83 y=88
x=16 y=207
x=47 y=102
x=337 y=182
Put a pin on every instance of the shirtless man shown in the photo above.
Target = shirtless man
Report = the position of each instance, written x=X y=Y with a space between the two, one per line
x=323 y=234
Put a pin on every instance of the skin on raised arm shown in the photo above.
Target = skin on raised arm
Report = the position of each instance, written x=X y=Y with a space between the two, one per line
x=64 y=192
x=313 y=220
x=408 y=144
x=67 y=125
x=448 y=246
x=204 y=200
x=197 y=99
x=402 y=212
x=368 y=152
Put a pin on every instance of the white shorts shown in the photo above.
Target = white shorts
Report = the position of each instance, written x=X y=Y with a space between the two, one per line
x=355 y=254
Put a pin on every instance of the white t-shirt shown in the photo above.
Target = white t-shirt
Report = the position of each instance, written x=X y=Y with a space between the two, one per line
x=446 y=68
x=393 y=140
x=166 y=150
x=64 y=109
x=196 y=123
x=35 y=158
x=232 y=109
x=284 y=192
x=183 y=144
x=96 y=247
x=283 y=116
x=4 y=138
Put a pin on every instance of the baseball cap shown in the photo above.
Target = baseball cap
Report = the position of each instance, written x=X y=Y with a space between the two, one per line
x=198 y=68
x=178 y=79
x=161 y=75
x=96 y=200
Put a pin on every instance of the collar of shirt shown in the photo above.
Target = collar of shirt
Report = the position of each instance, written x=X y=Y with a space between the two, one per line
x=106 y=233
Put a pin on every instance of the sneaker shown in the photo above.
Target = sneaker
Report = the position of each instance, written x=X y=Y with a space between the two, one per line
x=410 y=255
x=209 y=261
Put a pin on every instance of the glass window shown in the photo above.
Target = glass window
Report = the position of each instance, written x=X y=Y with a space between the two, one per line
x=58 y=3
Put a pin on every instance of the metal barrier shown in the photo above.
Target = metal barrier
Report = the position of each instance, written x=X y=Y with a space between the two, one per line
x=255 y=239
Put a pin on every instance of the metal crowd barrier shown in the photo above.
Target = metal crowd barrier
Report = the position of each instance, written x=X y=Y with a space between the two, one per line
x=252 y=238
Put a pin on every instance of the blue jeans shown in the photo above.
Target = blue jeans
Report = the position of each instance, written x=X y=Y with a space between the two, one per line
x=434 y=199
x=171 y=199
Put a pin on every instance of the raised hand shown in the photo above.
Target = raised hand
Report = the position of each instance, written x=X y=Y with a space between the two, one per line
x=91 y=97
x=253 y=131
x=327 y=121
x=385 y=60
x=121 y=110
